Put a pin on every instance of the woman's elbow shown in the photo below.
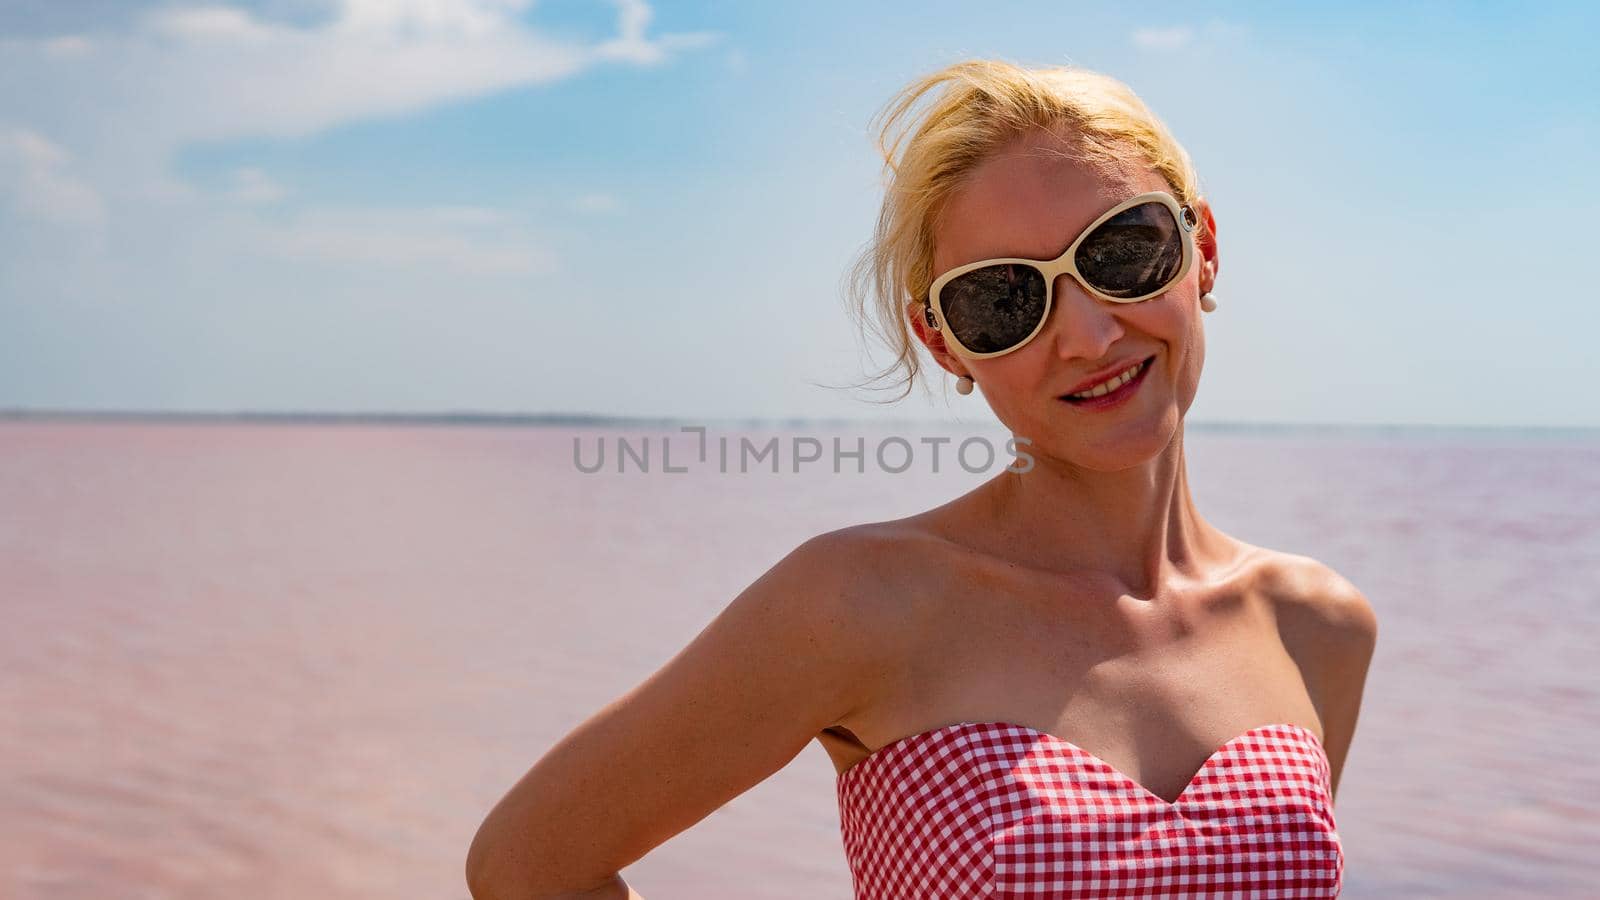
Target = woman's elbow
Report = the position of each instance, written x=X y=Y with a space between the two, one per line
x=497 y=871
x=612 y=889
x=483 y=879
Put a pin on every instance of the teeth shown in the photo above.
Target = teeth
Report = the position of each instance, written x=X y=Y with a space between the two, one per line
x=1109 y=386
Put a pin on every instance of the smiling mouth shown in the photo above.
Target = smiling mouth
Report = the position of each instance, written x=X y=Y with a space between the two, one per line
x=1112 y=387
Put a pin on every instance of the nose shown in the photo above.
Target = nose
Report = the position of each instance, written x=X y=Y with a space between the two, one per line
x=1081 y=325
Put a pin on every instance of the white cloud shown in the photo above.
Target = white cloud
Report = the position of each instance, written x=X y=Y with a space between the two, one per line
x=473 y=216
x=1180 y=36
x=209 y=23
x=596 y=203
x=1163 y=38
x=127 y=100
x=375 y=58
x=252 y=185
x=632 y=46
x=67 y=46
x=474 y=17
x=37 y=177
x=469 y=240
x=183 y=74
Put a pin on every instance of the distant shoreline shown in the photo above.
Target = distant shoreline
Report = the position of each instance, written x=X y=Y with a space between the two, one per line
x=594 y=420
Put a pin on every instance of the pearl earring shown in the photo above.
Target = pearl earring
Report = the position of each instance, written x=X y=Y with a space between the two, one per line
x=1208 y=301
x=964 y=385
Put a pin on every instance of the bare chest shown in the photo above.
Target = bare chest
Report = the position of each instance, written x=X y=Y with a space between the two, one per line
x=1152 y=688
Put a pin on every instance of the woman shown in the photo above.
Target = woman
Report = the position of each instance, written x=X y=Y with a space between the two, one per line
x=1063 y=683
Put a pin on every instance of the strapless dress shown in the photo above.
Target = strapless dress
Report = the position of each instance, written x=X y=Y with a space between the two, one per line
x=995 y=809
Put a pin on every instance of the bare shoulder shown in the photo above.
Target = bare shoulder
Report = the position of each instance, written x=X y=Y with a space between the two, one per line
x=1329 y=628
x=1319 y=611
x=860 y=577
x=831 y=621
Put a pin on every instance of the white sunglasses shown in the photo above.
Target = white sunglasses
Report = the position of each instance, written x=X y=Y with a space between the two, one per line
x=1132 y=252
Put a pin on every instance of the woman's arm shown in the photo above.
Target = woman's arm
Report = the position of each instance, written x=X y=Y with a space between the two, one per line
x=1331 y=632
x=793 y=654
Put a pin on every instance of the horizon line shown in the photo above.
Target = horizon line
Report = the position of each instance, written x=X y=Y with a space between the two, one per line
x=538 y=419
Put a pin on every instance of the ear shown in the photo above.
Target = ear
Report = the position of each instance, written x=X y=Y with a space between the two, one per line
x=1206 y=245
x=917 y=313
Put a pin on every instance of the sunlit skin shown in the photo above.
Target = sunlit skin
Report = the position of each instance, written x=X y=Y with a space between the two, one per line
x=1107 y=489
x=1086 y=598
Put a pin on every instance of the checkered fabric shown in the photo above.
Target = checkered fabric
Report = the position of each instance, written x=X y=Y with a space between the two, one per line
x=995 y=809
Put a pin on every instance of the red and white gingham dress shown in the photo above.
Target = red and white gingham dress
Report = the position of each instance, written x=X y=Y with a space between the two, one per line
x=994 y=809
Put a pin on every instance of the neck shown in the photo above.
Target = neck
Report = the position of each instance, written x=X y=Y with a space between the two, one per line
x=1139 y=525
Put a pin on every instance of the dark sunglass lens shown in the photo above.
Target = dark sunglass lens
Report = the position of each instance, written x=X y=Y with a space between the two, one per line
x=1136 y=252
x=994 y=308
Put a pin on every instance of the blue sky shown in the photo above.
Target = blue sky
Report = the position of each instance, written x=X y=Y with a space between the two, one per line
x=631 y=209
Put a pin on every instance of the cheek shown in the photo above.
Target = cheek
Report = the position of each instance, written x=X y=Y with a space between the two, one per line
x=1174 y=320
x=1189 y=357
x=1174 y=323
x=1167 y=322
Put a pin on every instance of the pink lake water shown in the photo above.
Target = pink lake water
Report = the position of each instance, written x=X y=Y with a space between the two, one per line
x=303 y=661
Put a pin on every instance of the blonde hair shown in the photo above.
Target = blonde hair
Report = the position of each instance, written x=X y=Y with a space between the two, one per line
x=984 y=105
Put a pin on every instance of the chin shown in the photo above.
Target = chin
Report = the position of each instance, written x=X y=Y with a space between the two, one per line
x=1116 y=447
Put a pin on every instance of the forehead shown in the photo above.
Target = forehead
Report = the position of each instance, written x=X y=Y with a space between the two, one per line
x=1030 y=199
